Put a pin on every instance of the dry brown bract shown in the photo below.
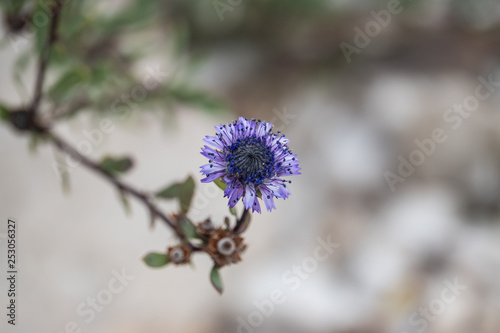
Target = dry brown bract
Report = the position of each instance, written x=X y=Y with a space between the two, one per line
x=225 y=247
x=179 y=255
x=205 y=229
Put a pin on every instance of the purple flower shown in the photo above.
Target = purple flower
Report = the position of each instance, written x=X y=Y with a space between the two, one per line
x=251 y=160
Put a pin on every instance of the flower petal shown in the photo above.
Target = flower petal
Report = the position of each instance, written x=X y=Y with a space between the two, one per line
x=211 y=168
x=256 y=205
x=249 y=196
x=236 y=194
x=267 y=196
x=211 y=177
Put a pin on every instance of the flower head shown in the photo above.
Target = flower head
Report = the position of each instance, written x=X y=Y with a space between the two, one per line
x=251 y=160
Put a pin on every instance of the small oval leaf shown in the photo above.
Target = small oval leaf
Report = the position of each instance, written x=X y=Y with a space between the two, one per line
x=125 y=203
x=187 y=227
x=68 y=83
x=233 y=211
x=186 y=194
x=155 y=259
x=170 y=192
x=116 y=165
x=216 y=280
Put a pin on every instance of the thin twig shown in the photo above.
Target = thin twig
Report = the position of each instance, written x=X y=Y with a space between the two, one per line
x=65 y=147
x=120 y=185
x=45 y=56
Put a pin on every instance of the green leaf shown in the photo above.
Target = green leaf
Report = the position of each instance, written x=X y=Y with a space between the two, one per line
x=116 y=165
x=73 y=21
x=186 y=193
x=100 y=73
x=134 y=15
x=22 y=61
x=220 y=184
x=187 y=227
x=125 y=203
x=155 y=259
x=13 y=7
x=67 y=83
x=41 y=30
x=152 y=219
x=216 y=280
x=233 y=211
x=4 y=113
x=170 y=192
x=34 y=140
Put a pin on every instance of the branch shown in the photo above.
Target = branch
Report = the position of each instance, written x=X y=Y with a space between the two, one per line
x=120 y=185
x=26 y=120
x=45 y=56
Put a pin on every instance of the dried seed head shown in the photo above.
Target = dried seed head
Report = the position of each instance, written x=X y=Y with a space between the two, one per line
x=207 y=225
x=179 y=254
x=205 y=228
x=225 y=247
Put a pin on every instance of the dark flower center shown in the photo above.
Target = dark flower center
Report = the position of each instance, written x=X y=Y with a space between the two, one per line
x=250 y=160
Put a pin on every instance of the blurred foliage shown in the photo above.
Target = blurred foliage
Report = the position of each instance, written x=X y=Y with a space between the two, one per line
x=186 y=226
x=98 y=56
x=116 y=165
x=4 y=112
x=125 y=202
x=102 y=45
x=183 y=192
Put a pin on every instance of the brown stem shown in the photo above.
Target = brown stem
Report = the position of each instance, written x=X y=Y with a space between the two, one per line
x=71 y=151
x=242 y=220
x=120 y=185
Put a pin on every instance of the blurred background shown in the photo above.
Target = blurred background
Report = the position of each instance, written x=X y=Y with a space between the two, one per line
x=353 y=84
